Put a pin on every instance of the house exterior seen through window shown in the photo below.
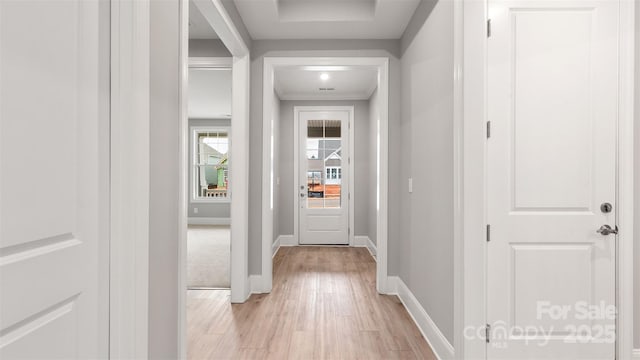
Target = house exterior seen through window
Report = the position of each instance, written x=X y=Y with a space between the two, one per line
x=211 y=164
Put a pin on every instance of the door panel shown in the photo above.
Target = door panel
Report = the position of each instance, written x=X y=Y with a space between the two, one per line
x=552 y=70
x=552 y=161
x=53 y=141
x=323 y=209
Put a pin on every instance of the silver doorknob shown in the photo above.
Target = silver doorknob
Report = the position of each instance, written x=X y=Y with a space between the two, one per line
x=302 y=195
x=607 y=230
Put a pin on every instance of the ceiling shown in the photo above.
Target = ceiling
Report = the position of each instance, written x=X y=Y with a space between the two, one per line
x=304 y=83
x=199 y=27
x=326 y=19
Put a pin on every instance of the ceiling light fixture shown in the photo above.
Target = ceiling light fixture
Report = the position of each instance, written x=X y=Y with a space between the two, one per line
x=324 y=76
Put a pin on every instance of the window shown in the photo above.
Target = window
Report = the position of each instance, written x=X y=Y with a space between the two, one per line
x=334 y=173
x=211 y=164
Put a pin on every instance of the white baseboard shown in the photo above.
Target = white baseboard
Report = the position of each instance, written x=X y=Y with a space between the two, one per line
x=208 y=221
x=372 y=248
x=360 y=241
x=275 y=247
x=255 y=284
x=636 y=354
x=438 y=342
x=282 y=240
x=287 y=240
x=364 y=241
x=392 y=285
x=239 y=299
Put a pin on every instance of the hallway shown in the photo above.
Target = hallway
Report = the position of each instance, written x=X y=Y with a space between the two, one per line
x=324 y=305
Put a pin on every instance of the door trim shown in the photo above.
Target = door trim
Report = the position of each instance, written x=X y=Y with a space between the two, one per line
x=472 y=60
x=129 y=223
x=625 y=281
x=382 y=65
x=296 y=166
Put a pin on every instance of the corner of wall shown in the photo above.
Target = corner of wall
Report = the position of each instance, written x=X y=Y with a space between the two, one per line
x=418 y=19
x=232 y=10
x=637 y=187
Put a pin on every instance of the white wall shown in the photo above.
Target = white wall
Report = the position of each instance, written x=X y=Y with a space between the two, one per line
x=361 y=163
x=372 y=215
x=207 y=48
x=637 y=188
x=164 y=170
x=209 y=93
x=234 y=15
x=277 y=166
x=320 y=48
x=427 y=121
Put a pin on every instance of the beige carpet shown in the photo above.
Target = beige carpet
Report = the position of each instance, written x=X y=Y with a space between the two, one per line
x=208 y=257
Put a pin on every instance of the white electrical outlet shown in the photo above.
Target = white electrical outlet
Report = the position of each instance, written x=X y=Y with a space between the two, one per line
x=410 y=185
x=195 y=210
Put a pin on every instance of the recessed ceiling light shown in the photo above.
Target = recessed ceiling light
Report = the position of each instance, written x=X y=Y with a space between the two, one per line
x=324 y=76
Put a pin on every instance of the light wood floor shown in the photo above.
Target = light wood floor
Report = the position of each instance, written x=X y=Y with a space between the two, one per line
x=324 y=305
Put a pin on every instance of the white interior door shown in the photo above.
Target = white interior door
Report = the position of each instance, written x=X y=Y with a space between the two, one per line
x=54 y=175
x=553 y=84
x=323 y=177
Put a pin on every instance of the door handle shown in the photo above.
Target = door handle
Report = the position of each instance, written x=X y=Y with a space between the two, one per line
x=302 y=195
x=607 y=230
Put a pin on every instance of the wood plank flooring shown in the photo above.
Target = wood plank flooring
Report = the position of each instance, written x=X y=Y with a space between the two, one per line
x=324 y=305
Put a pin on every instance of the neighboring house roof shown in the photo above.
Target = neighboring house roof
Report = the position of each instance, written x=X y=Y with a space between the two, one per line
x=211 y=151
x=330 y=149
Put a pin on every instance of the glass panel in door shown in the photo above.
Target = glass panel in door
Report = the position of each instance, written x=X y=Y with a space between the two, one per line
x=324 y=164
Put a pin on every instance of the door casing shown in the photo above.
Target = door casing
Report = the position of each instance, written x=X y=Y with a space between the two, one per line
x=296 y=166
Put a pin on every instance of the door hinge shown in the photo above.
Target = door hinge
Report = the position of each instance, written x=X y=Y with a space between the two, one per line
x=488 y=129
x=487 y=333
x=488 y=232
x=488 y=28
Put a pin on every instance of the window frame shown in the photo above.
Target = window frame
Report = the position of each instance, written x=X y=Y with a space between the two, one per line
x=194 y=183
x=330 y=172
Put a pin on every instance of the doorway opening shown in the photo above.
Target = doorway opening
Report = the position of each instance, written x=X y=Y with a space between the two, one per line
x=325 y=146
x=214 y=158
x=209 y=113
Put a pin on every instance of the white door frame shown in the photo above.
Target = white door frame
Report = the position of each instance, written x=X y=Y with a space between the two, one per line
x=471 y=49
x=296 y=166
x=129 y=245
x=381 y=64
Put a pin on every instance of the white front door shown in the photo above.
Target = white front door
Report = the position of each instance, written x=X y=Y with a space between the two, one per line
x=54 y=179
x=323 y=177
x=552 y=95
